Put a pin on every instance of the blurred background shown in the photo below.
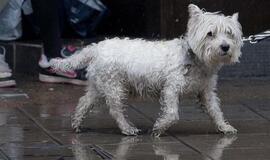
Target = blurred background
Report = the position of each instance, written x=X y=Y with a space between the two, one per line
x=168 y=18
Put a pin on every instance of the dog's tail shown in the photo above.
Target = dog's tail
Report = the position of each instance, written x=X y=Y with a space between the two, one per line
x=78 y=60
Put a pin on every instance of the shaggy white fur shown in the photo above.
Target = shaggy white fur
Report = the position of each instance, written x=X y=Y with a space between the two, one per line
x=166 y=68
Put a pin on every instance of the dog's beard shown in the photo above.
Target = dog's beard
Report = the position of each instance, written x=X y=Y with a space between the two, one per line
x=214 y=56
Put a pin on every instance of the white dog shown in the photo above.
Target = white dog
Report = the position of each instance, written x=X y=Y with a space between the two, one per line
x=166 y=68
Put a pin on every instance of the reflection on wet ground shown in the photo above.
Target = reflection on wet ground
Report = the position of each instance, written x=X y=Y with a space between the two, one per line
x=35 y=125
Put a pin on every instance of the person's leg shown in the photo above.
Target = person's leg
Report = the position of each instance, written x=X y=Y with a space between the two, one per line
x=6 y=79
x=48 y=19
x=48 y=15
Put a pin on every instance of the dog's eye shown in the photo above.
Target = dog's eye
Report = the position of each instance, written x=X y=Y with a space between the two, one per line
x=210 y=34
x=229 y=33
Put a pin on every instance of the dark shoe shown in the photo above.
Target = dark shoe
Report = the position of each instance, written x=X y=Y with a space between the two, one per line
x=6 y=79
x=7 y=82
x=50 y=75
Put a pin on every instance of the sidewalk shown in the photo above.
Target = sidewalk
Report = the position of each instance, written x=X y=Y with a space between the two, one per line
x=38 y=127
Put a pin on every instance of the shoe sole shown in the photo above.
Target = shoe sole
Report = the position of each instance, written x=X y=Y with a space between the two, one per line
x=9 y=83
x=53 y=79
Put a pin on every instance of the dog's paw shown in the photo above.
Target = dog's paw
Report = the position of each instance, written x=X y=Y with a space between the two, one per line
x=77 y=129
x=156 y=133
x=227 y=129
x=131 y=131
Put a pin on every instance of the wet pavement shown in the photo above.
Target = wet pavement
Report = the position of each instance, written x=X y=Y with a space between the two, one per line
x=35 y=125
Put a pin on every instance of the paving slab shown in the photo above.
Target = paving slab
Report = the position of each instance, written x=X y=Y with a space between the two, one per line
x=261 y=107
x=154 y=150
x=49 y=152
x=12 y=93
x=194 y=120
x=242 y=146
x=140 y=147
x=15 y=128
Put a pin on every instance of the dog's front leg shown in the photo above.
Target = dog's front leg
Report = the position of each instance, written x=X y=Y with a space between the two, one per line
x=211 y=102
x=114 y=95
x=169 y=100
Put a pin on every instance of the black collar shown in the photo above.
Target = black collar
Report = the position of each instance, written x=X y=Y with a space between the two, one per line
x=191 y=54
x=189 y=49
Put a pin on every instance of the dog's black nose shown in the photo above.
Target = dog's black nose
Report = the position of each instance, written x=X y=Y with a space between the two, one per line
x=225 y=47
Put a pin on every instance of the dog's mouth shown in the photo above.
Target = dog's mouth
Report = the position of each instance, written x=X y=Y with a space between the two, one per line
x=224 y=57
x=225 y=54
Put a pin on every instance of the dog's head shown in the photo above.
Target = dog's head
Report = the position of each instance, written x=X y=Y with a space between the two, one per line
x=213 y=37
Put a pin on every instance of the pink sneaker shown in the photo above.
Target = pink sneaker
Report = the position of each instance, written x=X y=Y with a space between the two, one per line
x=49 y=75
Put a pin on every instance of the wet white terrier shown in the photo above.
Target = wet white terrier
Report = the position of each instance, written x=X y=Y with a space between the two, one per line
x=168 y=68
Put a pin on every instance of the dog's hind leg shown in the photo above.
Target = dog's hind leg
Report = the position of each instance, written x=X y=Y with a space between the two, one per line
x=86 y=103
x=114 y=95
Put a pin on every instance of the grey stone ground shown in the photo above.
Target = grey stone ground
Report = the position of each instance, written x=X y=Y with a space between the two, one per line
x=38 y=128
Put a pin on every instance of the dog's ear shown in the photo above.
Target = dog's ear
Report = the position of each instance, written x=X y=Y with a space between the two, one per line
x=235 y=16
x=194 y=10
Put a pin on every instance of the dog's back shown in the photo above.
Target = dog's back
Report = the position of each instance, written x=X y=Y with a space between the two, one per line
x=139 y=56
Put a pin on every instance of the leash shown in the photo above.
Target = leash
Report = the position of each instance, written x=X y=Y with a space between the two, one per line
x=253 y=39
